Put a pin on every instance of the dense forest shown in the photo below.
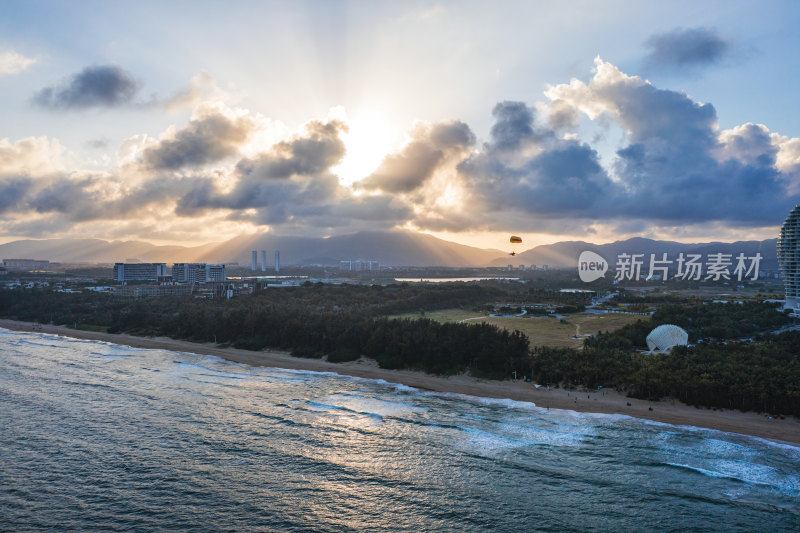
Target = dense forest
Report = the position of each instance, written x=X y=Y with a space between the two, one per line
x=735 y=366
x=763 y=375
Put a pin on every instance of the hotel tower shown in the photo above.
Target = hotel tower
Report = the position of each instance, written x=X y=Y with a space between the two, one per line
x=789 y=259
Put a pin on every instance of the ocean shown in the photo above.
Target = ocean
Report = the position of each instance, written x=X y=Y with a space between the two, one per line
x=102 y=437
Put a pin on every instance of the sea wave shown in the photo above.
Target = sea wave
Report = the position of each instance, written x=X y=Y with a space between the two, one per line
x=747 y=473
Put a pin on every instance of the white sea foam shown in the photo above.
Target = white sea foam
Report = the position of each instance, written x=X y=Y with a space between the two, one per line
x=748 y=473
x=376 y=406
x=319 y=406
x=482 y=442
x=101 y=354
x=489 y=402
x=217 y=371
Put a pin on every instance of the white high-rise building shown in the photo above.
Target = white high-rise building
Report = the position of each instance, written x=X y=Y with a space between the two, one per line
x=198 y=272
x=263 y=260
x=789 y=259
x=253 y=255
x=277 y=261
x=139 y=271
x=215 y=273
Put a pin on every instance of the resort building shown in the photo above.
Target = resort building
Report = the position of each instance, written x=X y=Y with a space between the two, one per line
x=197 y=273
x=26 y=264
x=140 y=271
x=789 y=260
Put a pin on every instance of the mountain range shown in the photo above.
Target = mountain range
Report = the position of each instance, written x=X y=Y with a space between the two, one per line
x=391 y=248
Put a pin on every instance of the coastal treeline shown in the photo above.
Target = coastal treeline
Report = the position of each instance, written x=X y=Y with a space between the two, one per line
x=736 y=366
x=311 y=321
x=761 y=375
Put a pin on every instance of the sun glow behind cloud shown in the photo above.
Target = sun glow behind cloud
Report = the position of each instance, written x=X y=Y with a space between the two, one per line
x=370 y=137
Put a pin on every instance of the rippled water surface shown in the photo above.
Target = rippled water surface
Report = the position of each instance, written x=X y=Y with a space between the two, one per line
x=101 y=437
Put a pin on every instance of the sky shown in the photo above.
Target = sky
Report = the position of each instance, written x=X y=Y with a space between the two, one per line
x=193 y=122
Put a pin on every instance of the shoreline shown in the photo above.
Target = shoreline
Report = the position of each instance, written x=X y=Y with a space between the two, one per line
x=785 y=431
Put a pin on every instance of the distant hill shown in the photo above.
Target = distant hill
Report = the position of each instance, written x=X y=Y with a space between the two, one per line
x=565 y=254
x=94 y=251
x=394 y=248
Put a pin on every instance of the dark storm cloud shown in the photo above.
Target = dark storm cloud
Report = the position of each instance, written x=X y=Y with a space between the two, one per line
x=686 y=48
x=99 y=86
x=418 y=160
x=204 y=140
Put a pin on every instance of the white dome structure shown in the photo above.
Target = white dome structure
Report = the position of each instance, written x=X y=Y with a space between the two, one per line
x=666 y=336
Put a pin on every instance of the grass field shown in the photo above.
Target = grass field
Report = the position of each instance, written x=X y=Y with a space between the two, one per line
x=444 y=315
x=552 y=332
x=541 y=331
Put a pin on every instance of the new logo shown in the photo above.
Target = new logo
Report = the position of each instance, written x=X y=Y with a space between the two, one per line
x=591 y=266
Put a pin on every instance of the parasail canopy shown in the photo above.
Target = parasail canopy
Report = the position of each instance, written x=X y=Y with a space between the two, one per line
x=515 y=239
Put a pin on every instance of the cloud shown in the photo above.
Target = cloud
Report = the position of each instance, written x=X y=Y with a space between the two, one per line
x=686 y=49
x=12 y=191
x=97 y=144
x=410 y=168
x=12 y=62
x=677 y=165
x=104 y=86
x=562 y=116
x=210 y=136
x=533 y=176
x=202 y=89
x=513 y=125
x=288 y=177
x=305 y=155
x=674 y=167
x=291 y=186
x=36 y=156
x=674 y=171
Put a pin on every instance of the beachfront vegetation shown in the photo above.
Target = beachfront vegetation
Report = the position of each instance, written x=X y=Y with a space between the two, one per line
x=735 y=366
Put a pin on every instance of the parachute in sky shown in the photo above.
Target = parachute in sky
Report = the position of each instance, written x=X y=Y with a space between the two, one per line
x=514 y=240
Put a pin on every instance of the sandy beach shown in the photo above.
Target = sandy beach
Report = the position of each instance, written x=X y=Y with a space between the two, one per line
x=609 y=402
